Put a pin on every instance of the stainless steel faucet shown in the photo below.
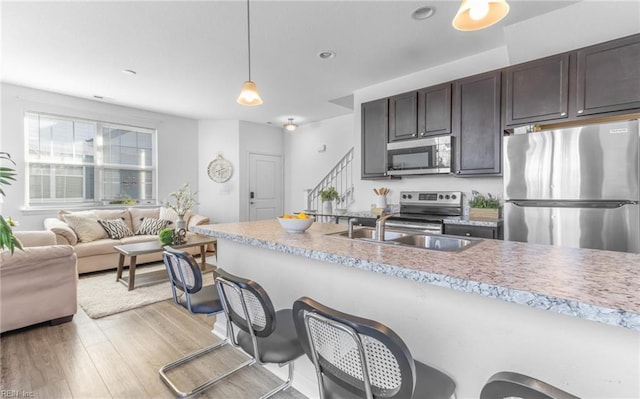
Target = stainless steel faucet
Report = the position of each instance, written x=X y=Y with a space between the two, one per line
x=380 y=225
x=350 y=226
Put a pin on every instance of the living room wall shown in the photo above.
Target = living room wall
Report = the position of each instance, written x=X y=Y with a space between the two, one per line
x=177 y=142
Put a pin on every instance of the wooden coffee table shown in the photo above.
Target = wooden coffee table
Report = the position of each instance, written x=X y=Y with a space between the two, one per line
x=142 y=248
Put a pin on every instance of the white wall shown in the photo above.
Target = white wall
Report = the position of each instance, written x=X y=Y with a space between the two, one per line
x=219 y=201
x=258 y=139
x=305 y=165
x=569 y=28
x=229 y=201
x=177 y=142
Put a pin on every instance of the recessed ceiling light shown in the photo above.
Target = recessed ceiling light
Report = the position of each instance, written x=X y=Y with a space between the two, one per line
x=326 y=54
x=423 y=13
x=129 y=72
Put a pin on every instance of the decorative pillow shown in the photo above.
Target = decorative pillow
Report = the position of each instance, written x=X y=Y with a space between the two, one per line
x=61 y=228
x=137 y=214
x=152 y=226
x=86 y=228
x=116 y=228
x=169 y=214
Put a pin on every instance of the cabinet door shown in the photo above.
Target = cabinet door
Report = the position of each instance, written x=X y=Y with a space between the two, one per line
x=608 y=77
x=403 y=116
x=537 y=91
x=375 y=118
x=476 y=125
x=434 y=110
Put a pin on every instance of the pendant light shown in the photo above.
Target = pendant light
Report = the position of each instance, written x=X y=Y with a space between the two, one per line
x=479 y=14
x=290 y=126
x=249 y=92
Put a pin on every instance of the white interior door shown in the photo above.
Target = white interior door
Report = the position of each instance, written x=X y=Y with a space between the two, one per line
x=265 y=186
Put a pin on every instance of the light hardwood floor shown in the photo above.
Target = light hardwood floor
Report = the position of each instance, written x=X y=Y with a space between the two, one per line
x=119 y=357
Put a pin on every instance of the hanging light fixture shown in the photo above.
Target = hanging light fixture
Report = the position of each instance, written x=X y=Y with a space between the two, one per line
x=290 y=126
x=249 y=92
x=479 y=14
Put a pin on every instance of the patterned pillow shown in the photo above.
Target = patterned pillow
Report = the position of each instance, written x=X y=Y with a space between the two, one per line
x=116 y=228
x=152 y=226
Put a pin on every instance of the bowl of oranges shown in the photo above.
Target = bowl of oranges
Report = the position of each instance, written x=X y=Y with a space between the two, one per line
x=297 y=223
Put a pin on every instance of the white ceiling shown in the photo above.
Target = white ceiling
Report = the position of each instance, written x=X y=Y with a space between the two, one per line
x=191 y=56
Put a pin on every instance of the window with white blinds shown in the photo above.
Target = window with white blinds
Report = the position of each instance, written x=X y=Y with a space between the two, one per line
x=87 y=162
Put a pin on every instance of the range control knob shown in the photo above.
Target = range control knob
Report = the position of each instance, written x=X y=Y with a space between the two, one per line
x=440 y=196
x=404 y=196
x=453 y=196
x=446 y=196
x=410 y=196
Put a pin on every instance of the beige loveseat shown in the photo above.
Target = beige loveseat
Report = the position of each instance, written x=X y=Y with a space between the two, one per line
x=38 y=283
x=99 y=254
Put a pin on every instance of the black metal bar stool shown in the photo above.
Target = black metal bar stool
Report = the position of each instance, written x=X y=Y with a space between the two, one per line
x=188 y=292
x=360 y=358
x=507 y=384
x=263 y=334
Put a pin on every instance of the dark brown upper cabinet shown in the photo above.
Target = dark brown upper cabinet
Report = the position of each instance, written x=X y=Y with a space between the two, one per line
x=375 y=122
x=536 y=91
x=434 y=110
x=403 y=116
x=608 y=77
x=476 y=133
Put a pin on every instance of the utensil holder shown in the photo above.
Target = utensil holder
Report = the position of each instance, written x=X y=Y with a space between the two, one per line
x=381 y=201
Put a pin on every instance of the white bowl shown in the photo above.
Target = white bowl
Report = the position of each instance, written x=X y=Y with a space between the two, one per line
x=296 y=225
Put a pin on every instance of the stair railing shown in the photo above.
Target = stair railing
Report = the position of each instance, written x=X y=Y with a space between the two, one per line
x=340 y=177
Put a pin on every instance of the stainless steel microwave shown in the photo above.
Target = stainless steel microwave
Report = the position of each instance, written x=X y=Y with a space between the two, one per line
x=419 y=157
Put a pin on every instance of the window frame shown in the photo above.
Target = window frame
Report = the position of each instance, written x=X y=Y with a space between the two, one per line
x=98 y=165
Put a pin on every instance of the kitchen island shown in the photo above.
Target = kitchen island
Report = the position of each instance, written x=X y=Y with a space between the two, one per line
x=567 y=316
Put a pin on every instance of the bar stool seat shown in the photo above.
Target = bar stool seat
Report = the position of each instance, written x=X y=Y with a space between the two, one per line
x=279 y=347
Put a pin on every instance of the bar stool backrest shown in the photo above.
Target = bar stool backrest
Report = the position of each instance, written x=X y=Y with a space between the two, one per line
x=361 y=355
x=184 y=273
x=507 y=384
x=234 y=291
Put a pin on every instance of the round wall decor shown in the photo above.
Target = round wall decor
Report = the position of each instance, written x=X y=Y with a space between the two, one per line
x=220 y=169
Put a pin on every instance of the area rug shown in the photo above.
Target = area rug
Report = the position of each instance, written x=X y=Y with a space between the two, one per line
x=100 y=295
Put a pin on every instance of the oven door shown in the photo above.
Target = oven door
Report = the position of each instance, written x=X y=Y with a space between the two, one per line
x=419 y=157
x=415 y=227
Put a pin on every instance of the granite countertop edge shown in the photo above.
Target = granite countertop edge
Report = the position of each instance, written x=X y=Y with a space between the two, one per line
x=614 y=317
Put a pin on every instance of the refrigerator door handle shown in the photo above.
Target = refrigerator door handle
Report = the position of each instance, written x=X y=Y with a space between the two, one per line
x=608 y=204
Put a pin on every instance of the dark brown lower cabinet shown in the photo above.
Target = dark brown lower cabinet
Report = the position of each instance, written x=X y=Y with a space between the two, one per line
x=495 y=233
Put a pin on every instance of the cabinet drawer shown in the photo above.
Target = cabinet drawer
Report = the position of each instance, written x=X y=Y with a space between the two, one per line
x=470 y=231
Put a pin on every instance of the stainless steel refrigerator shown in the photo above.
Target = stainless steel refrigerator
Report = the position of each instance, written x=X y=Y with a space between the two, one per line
x=575 y=187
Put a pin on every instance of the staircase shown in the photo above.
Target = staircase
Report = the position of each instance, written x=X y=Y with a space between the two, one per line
x=340 y=177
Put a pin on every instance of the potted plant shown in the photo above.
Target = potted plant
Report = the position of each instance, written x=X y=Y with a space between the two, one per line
x=7 y=175
x=328 y=195
x=484 y=207
x=181 y=202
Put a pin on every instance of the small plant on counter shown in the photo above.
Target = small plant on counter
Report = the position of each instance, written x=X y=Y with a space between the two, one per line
x=484 y=207
x=481 y=201
x=329 y=194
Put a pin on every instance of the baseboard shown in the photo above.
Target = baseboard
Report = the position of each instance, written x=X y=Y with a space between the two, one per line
x=306 y=386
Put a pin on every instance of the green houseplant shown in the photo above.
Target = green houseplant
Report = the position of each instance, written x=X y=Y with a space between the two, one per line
x=484 y=207
x=7 y=175
x=328 y=195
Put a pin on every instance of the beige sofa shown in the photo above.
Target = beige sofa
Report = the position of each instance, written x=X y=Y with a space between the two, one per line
x=38 y=283
x=99 y=254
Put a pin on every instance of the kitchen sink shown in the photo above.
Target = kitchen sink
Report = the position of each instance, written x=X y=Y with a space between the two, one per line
x=435 y=242
x=370 y=234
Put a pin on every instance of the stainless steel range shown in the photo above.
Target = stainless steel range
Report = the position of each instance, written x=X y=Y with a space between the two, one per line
x=425 y=211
